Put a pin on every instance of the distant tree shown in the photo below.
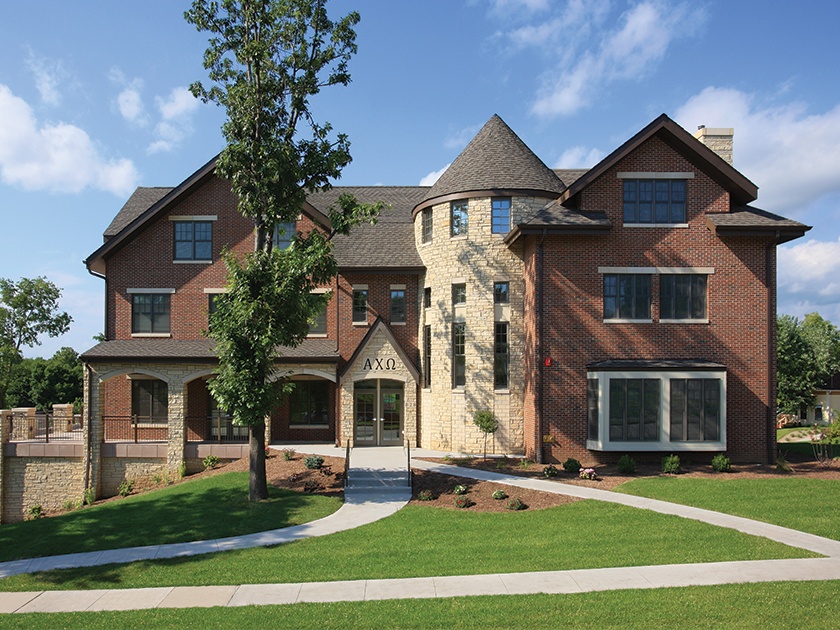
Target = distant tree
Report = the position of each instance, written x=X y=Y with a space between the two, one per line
x=28 y=310
x=808 y=354
x=266 y=59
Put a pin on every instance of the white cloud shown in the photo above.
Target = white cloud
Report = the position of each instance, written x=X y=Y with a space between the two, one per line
x=55 y=157
x=129 y=101
x=790 y=154
x=431 y=178
x=595 y=55
x=459 y=139
x=176 y=120
x=579 y=157
x=47 y=75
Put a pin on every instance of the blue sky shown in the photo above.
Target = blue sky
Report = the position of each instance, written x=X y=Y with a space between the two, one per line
x=93 y=103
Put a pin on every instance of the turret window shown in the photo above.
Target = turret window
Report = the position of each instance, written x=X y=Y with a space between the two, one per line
x=459 y=218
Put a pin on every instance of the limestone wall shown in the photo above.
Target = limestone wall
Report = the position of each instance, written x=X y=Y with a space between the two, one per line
x=478 y=260
x=46 y=481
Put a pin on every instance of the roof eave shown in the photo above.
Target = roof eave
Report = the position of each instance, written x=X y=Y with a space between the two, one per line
x=486 y=192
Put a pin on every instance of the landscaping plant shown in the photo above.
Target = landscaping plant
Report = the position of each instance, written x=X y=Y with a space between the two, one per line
x=313 y=462
x=486 y=422
x=626 y=465
x=571 y=465
x=671 y=465
x=550 y=471
x=515 y=503
x=721 y=463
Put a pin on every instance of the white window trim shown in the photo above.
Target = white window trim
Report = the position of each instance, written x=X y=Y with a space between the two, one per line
x=627 y=270
x=208 y=217
x=664 y=444
x=160 y=335
x=654 y=175
x=655 y=225
x=158 y=290
x=216 y=291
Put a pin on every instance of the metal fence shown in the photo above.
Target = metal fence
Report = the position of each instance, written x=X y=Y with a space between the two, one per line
x=45 y=427
x=217 y=428
x=135 y=429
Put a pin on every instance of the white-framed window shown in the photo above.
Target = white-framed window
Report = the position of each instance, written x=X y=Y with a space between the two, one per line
x=652 y=409
x=284 y=234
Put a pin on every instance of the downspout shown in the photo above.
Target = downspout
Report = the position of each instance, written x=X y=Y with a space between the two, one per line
x=86 y=416
x=337 y=410
x=539 y=349
x=771 y=349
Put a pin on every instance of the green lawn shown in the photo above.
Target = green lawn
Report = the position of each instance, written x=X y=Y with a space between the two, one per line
x=422 y=541
x=200 y=509
x=809 y=505
x=772 y=605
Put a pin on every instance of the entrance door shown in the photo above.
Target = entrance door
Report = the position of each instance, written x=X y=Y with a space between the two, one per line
x=379 y=413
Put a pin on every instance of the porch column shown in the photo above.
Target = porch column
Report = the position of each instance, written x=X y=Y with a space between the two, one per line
x=177 y=426
x=93 y=432
x=5 y=429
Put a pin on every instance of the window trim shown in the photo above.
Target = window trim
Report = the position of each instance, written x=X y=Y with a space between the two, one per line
x=427 y=357
x=275 y=240
x=459 y=358
x=153 y=291
x=501 y=358
x=426 y=226
x=192 y=259
x=361 y=290
x=464 y=229
x=626 y=320
x=654 y=178
x=392 y=321
x=493 y=215
x=664 y=444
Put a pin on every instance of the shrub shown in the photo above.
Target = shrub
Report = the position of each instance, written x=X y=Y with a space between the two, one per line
x=210 y=462
x=70 y=505
x=486 y=423
x=571 y=465
x=463 y=501
x=782 y=463
x=182 y=470
x=311 y=486
x=588 y=473
x=125 y=487
x=425 y=495
x=515 y=503
x=459 y=489
x=89 y=496
x=550 y=471
x=313 y=462
x=499 y=495
x=35 y=512
x=721 y=463
x=671 y=465
x=525 y=464
x=288 y=454
x=626 y=465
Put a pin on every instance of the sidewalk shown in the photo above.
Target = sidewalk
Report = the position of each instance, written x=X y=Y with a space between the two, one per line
x=366 y=505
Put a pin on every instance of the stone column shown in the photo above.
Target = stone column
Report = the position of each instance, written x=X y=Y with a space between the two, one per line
x=5 y=430
x=177 y=433
x=93 y=431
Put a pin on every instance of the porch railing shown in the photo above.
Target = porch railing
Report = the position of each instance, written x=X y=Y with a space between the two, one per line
x=216 y=428
x=135 y=429
x=45 y=427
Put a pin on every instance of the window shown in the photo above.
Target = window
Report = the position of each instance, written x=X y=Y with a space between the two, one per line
x=193 y=240
x=427 y=356
x=397 y=306
x=459 y=355
x=682 y=296
x=459 y=218
x=427 y=225
x=501 y=292
x=360 y=297
x=695 y=409
x=309 y=403
x=150 y=313
x=654 y=201
x=427 y=297
x=318 y=326
x=662 y=410
x=634 y=409
x=284 y=234
x=500 y=216
x=459 y=294
x=150 y=400
x=500 y=357
x=626 y=296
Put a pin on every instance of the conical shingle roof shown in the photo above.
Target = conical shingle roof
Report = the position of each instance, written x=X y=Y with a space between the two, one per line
x=496 y=159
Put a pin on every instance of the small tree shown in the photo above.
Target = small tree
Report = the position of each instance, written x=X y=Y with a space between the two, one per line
x=486 y=422
x=28 y=309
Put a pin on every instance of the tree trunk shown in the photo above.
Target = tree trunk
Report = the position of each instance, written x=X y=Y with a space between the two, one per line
x=257 y=488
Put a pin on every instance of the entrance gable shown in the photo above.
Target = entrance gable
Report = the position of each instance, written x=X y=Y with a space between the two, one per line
x=379 y=355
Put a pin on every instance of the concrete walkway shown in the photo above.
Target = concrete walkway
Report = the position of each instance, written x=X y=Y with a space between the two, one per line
x=364 y=505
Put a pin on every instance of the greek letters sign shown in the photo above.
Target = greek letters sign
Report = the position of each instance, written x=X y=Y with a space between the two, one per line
x=386 y=365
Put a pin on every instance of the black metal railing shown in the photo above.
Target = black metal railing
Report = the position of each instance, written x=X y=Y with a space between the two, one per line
x=135 y=429
x=45 y=427
x=217 y=428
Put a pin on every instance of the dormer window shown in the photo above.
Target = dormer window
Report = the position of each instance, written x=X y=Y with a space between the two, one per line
x=658 y=201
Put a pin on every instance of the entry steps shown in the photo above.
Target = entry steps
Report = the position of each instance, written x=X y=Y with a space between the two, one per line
x=383 y=481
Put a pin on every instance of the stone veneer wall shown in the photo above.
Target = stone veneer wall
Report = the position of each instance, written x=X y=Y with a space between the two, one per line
x=478 y=260
x=46 y=481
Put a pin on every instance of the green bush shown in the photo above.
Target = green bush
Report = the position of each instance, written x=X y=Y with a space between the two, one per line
x=525 y=464
x=721 y=463
x=209 y=462
x=626 y=465
x=313 y=462
x=89 y=496
x=499 y=495
x=35 y=512
x=515 y=503
x=288 y=454
x=459 y=489
x=550 y=471
x=463 y=501
x=671 y=465
x=125 y=487
x=571 y=465
x=425 y=495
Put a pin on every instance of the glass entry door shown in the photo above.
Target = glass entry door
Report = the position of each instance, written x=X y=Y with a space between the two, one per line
x=379 y=413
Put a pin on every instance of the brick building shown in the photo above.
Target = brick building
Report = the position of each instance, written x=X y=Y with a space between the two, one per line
x=625 y=308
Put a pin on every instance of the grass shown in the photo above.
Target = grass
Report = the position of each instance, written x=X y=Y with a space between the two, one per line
x=201 y=509
x=780 y=433
x=808 y=505
x=761 y=606
x=421 y=541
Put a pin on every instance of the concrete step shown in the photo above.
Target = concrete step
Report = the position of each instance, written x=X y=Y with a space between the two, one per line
x=377 y=479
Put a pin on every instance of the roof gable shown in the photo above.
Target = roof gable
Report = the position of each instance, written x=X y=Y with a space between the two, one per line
x=741 y=189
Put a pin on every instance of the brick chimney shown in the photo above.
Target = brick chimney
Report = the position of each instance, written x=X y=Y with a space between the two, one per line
x=718 y=140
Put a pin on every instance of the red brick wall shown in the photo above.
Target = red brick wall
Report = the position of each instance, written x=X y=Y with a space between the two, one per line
x=575 y=334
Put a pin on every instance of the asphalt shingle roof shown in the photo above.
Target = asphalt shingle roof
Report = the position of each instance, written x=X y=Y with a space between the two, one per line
x=496 y=159
x=141 y=200
x=555 y=214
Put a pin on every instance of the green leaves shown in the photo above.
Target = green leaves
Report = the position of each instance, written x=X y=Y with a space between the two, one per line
x=808 y=354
